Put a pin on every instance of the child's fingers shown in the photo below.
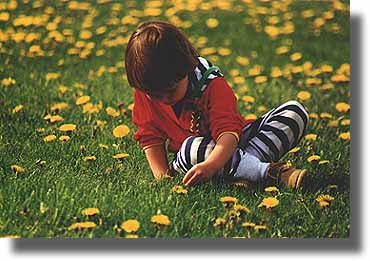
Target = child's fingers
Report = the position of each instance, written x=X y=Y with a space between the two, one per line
x=188 y=175
x=194 y=179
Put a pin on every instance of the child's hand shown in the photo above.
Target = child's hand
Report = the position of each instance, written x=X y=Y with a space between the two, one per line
x=199 y=172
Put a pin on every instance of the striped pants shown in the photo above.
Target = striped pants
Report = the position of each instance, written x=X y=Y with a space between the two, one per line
x=268 y=139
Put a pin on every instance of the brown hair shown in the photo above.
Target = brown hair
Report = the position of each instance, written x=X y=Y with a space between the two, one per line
x=157 y=56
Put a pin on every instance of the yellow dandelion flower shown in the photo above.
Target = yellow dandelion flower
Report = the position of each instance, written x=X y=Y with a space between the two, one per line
x=269 y=202
x=327 y=86
x=244 y=61
x=271 y=189
x=82 y=225
x=85 y=34
x=261 y=108
x=67 y=127
x=131 y=225
x=112 y=112
x=294 y=150
x=325 y=197
x=212 y=23
x=272 y=31
x=313 y=158
x=324 y=204
x=250 y=117
x=248 y=99
x=241 y=209
x=17 y=108
x=49 y=138
x=311 y=136
x=342 y=107
x=121 y=131
x=296 y=56
x=160 y=219
x=17 y=168
x=219 y=222
x=103 y=146
x=64 y=138
x=304 y=95
x=89 y=158
x=248 y=224
x=334 y=123
x=345 y=122
x=82 y=100
x=325 y=115
x=282 y=50
x=260 y=227
x=260 y=79
x=61 y=105
x=345 y=135
x=90 y=211
x=321 y=162
x=131 y=106
x=55 y=118
x=224 y=51
x=313 y=115
x=228 y=199
x=276 y=72
x=131 y=236
x=52 y=76
x=179 y=190
x=120 y=156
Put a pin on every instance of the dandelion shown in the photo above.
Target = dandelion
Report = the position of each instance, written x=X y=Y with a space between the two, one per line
x=324 y=200
x=342 y=107
x=121 y=131
x=321 y=162
x=160 y=219
x=179 y=190
x=282 y=50
x=8 y=81
x=131 y=236
x=67 y=127
x=271 y=189
x=49 y=138
x=224 y=51
x=17 y=108
x=103 y=146
x=82 y=100
x=112 y=112
x=82 y=225
x=131 y=106
x=269 y=202
x=219 y=222
x=248 y=99
x=17 y=168
x=260 y=79
x=260 y=227
x=64 y=138
x=313 y=158
x=59 y=106
x=89 y=158
x=242 y=60
x=212 y=23
x=241 y=209
x=131 y=225
x=304 y=95
x=52 y=76
x=119 y=155
x=90 y=211
x=345 y=135
x=248 y=224
x=311 y=136
x=295 y=56
x=228 y=199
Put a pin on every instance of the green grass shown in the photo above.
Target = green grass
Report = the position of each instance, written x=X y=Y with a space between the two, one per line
x=66 y=184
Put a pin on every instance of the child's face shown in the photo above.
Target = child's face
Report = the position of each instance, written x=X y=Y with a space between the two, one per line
x=172 y=95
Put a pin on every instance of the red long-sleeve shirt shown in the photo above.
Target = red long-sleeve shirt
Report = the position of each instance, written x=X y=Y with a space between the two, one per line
x=158 y=122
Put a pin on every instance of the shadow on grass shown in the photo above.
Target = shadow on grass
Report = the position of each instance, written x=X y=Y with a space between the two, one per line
x=352 y=244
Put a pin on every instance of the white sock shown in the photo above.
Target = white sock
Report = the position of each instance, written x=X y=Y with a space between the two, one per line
x=251 y=168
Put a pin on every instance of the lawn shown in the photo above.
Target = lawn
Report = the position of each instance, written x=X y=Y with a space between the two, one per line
x=67 y=171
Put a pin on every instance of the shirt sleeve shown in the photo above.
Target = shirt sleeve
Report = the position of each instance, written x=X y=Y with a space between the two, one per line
x=223 y=111
x=148 y=134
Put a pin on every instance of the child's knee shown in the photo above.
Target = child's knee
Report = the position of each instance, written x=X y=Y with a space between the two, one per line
x=193 y=151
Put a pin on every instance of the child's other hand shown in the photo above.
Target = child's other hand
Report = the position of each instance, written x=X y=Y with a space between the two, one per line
x=199 y=172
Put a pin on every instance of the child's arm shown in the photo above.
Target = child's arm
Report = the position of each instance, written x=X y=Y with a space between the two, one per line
x=158 y=162
x=221 y=153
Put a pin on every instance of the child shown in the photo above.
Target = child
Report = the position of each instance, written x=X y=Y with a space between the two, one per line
x=182 y=99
